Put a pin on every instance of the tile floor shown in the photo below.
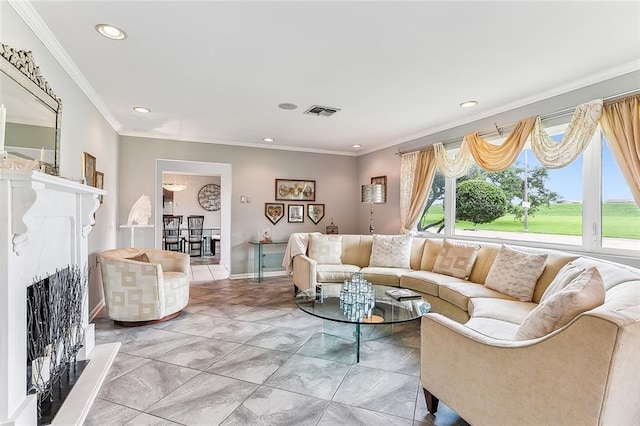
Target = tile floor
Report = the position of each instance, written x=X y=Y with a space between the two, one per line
x=207 y=273
x=242 y=354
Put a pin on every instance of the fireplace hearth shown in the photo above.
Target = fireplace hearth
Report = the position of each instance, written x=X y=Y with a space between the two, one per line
x=54 y=336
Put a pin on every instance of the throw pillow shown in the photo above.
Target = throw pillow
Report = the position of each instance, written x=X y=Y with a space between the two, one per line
x=584 y=293
x=515 y=273
x=564 y=276
x=393 y=251
x=456 y=259
x=140 y=257
x=326 y=249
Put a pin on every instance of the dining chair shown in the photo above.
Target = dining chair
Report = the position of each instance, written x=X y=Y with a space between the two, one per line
x=171 y=232
x=215 y=238
x=195 y=234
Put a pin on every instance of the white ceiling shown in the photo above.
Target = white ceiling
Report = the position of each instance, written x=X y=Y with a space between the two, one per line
x=215 y=71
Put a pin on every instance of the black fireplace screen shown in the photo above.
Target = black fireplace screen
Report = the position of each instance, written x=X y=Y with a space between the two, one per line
x=54 y=329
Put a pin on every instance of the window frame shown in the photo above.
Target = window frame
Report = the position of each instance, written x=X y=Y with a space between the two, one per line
x=591 y=241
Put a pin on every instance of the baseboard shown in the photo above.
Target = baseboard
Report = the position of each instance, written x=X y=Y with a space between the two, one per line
x=251 y=275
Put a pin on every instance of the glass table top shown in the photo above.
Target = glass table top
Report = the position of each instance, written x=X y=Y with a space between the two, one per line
x=326 y=304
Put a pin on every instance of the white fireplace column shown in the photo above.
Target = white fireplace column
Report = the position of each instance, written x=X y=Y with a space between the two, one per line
x=44 y=225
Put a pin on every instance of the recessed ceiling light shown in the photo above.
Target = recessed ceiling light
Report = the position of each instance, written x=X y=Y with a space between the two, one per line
x=268 y=139
x=141 y=109
x=356 y=145
x=109 y=31
x=287 y=106
x=468 y=104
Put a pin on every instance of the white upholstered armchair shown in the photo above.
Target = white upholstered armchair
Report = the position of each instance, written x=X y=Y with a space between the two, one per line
x=138 y=292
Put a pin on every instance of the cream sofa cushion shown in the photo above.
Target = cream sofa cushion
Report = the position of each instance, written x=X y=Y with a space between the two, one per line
x=493 y=328
x=335 y=273
x=456 y=259
x=460 y=293
x=383 y=276
x=426 y=281
x=565 y=275
x=393 y=251
x=513 y=311
x=515 y=273
x=326 y=249
x=584 y=293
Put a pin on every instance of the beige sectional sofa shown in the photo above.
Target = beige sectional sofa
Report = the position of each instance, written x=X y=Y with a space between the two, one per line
x=585 y=372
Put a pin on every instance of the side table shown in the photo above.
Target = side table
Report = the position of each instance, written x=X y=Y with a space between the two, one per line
x=259 y=255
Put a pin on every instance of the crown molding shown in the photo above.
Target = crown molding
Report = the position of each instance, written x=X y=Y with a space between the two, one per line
x=557 y=91
x=25 y=10
x=239 y=144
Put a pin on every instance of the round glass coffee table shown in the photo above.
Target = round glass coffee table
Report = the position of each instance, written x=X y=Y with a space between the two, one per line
x=325 y=302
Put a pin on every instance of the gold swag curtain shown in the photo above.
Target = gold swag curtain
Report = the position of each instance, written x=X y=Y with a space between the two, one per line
x=620 y=123
x=495 y=158
x=417 y=170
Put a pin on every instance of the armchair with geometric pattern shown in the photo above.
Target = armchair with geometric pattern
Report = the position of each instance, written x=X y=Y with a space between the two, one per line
x=144 y=286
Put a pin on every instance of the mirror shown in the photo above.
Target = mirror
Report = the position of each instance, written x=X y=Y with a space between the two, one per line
x=33 y=111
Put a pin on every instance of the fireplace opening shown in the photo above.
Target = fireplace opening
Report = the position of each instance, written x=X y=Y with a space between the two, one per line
x=55 y=334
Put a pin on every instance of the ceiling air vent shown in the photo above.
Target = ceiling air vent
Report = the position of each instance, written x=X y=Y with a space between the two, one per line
x=321 y=111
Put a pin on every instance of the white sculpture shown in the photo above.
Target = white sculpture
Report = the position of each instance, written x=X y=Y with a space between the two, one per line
x=140 y=212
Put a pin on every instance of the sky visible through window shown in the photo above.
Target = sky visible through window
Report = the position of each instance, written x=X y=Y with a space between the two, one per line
x=567 y=181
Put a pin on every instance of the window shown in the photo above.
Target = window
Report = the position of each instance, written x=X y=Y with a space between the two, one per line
x=433 y=216
x=586 y=203
x=620 y=215
x=542 y=204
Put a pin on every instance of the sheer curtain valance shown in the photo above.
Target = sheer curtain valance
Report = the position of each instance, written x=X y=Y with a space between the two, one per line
x=550 y=153
x=575 y=140
x=455 y=167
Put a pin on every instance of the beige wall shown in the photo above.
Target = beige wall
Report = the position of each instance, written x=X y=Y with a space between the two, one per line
x=83 y=129
x=386 y=217
x=254 y=171
x=185 y=203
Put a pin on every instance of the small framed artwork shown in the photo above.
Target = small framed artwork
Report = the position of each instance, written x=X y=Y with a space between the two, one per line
x=274 y=211
x=292 y=189
x=89 y=169
x=380 y=180
x=100 y=184
x=315 y=212
x=296 y=213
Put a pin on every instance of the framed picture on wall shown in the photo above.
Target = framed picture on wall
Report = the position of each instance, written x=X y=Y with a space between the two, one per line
x=296 y=213
x=315 y=212
x=274 y=212
x=100 y=184
x=89 y=169
x=291 y=189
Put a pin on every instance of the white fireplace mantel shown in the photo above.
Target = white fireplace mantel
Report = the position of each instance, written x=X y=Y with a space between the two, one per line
x=44 y=224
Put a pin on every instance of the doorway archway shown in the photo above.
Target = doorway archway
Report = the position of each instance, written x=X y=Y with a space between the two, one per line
x=199 y=168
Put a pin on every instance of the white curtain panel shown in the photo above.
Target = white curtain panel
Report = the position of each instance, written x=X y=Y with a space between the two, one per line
x=407 y=174
x=457 y=166
x=575 y=140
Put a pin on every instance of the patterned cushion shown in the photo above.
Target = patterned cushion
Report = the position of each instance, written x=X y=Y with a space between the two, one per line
x=456 y=259
x=142 y=257
x=393 y=251
x=515 y=273
x=564 y=276
x=584 y=293
x=326 y=249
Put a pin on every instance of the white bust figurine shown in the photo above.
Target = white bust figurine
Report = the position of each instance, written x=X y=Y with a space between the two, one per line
x=140 y=212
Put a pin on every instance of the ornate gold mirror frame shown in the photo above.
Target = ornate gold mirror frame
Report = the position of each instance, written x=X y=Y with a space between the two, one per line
x=34 y=112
